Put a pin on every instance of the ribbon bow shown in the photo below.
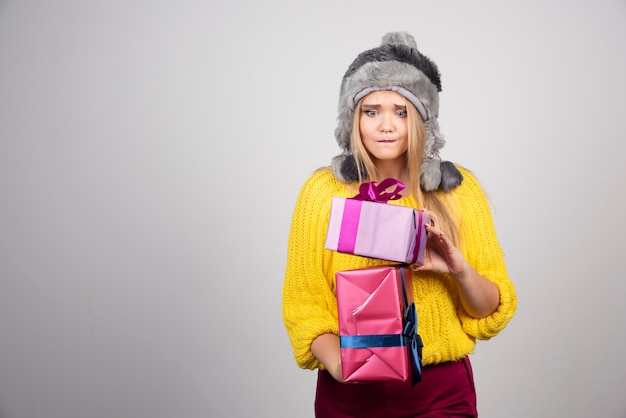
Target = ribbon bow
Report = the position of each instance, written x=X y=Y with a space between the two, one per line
x=413 y=340
x=411 y=337
x=377 y=192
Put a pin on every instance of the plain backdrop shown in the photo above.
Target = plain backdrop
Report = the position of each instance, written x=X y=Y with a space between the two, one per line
x=151 y=153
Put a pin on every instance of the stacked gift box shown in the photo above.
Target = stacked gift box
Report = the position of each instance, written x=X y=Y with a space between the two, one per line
x=377 y=316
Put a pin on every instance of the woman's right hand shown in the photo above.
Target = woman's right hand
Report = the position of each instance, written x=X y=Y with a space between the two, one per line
x=336 y=373
x=325 y=348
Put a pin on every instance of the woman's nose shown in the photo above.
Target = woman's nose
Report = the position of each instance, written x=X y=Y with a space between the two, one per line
x=386 y=125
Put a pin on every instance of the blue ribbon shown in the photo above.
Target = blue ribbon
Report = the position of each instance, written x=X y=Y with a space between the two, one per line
x=411 y=337
x=374 y=340
x=413 y=340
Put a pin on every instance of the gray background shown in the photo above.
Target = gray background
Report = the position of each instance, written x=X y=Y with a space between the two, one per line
x=150 y=157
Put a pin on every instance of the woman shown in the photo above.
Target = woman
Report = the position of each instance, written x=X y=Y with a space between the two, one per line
x=387 y=127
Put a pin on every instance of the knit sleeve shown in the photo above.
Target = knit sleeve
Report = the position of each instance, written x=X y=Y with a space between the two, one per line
x=482 y=250
x=308 y=299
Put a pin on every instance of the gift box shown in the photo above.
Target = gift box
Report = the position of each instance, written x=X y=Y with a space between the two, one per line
x=378 y=325
x=366 y=225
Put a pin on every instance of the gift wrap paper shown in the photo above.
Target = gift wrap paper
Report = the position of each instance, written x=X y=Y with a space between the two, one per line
x=371 y=307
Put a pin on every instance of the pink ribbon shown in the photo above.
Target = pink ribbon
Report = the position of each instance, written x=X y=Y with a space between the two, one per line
x=418 y=239
x=376 y=192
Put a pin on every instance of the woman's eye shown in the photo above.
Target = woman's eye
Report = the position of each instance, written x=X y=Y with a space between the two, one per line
x=401 y=113
x=371 y=112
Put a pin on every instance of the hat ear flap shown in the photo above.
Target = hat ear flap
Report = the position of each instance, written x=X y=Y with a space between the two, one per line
x=439 y=174
x=344 y=167
x=433 y=140
x=435 y=173
x=430 y=176
x=451 y=177
x=430 y=173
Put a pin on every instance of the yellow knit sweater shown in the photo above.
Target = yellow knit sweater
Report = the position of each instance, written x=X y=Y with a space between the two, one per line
x=309 y=305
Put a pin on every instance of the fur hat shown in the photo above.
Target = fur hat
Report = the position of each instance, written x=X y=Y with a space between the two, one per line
x=395 y=65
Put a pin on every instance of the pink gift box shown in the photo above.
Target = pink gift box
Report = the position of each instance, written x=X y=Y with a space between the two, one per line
x=377 y=230
x=373 y=325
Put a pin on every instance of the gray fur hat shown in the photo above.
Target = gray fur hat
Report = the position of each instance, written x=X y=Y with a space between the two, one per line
x=395 y=65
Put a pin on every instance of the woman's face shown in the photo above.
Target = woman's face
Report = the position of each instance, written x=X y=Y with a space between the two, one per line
x=383 y=125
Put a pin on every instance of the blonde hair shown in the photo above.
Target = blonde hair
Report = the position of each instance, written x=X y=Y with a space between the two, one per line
x=436 y=201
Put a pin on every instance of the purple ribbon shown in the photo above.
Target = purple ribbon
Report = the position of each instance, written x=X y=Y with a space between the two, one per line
x=418 y=239
x=349 y=225
x=376 y=192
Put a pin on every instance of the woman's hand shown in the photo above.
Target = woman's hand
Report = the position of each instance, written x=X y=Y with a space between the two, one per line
x=479 y=296
x=441 y=256
x=326 y=348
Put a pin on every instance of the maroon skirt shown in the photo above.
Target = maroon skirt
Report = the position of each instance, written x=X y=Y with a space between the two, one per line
x=446 y=390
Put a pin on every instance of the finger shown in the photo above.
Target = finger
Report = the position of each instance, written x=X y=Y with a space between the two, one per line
x=433 y=229
x=437 y=240
x=444 y=240
x=426 y=264
x=434 y=220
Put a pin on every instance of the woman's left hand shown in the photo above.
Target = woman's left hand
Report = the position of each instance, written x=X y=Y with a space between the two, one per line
x=441 y=255
x=479 y=296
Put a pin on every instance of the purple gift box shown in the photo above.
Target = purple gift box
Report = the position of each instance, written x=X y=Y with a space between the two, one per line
x=367 y=226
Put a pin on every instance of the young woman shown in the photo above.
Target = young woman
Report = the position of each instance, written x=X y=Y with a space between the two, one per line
x=387 y=127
